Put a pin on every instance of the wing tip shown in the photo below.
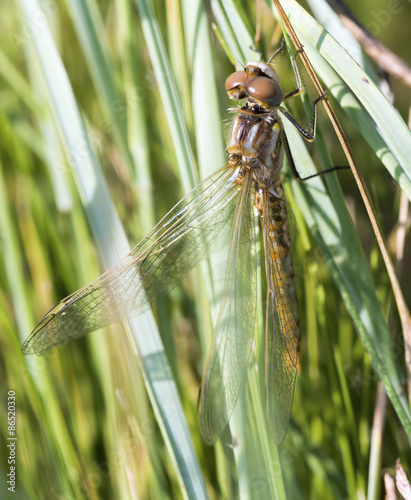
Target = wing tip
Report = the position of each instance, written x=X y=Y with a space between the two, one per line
x=209 y=435
x=32 y=344
x=27 y=348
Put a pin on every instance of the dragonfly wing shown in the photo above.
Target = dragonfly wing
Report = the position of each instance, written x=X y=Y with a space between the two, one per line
x=156 y=265
x=282 y=332
x=234 y=329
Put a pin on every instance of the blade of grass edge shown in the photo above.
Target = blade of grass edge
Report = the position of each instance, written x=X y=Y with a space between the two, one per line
x=382 y=112
x=367 y=87
x=112 y=244
x=330 y=223
x=169 y=95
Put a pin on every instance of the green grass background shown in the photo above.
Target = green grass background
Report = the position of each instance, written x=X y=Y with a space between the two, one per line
x=147 y=85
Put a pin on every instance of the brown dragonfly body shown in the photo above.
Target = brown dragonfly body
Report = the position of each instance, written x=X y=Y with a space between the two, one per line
x=256 y=149
x=219 y=210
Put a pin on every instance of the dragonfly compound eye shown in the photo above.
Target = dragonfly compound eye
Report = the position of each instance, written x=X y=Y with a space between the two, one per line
x=235 y=85
x=264 y=90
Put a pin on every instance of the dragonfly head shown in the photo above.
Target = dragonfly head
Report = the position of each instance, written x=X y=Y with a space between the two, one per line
x=258 y=81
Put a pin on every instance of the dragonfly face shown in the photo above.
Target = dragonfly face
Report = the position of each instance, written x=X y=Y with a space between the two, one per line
x=259 y=82
x=221 y=208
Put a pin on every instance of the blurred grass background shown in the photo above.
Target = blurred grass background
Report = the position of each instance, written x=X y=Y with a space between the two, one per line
x=85 y=426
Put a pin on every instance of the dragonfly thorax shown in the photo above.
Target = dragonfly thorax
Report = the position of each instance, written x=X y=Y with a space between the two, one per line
x=255 y=144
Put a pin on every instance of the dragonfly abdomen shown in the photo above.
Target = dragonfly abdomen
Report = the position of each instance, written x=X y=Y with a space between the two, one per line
x=278 y=230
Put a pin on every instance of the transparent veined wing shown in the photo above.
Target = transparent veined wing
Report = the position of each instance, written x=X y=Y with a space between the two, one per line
x=282 y=331
x=234 y=329
x=156 y=265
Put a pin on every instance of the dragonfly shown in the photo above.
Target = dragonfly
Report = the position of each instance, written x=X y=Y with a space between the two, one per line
x=221 y=208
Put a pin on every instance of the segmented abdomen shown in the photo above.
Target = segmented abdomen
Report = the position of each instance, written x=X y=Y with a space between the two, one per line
x=278 y=232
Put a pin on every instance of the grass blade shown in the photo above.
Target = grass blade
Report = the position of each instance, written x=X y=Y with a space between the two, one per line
x=113 y=244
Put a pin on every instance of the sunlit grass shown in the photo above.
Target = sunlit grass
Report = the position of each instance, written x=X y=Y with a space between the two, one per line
x=149 y=87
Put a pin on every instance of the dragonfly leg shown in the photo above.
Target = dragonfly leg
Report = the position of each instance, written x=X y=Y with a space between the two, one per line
x=299 y=88
x=280 y=50
x=293 y=168
x=308 y=134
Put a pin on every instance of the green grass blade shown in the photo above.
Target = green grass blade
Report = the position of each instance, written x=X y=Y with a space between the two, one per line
x=331 y=225
x=393 y=129
x=169 y=95
x=90 y=30
x=137 y=109
x=113 y=244
x=86 y=426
